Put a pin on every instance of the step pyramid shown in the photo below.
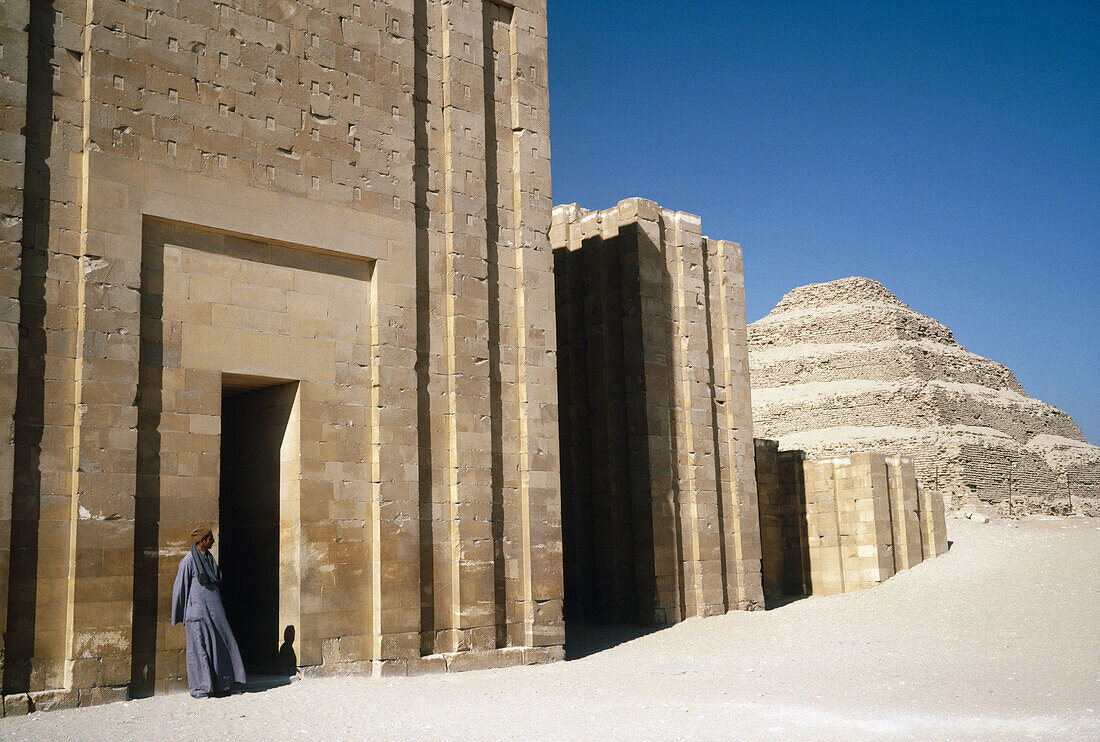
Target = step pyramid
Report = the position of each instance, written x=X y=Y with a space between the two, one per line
x=845 y=366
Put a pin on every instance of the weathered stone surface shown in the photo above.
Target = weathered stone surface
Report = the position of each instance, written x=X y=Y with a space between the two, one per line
x=17 y=704
x=845 y=366
x=54 y=700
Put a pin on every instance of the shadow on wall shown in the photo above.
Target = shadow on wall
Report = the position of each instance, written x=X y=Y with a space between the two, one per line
x=287 y=658
x=422 y=217
x=784 y=543
x=147 y=578
x=30 y=397
x=616 y=533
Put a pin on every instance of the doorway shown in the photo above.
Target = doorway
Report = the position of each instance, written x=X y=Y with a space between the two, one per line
x=257 y=502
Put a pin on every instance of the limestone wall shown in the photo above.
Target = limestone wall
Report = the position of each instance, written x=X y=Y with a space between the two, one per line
x=842 y=524
x=349 y=195
x=14 y=19
x=658 y=498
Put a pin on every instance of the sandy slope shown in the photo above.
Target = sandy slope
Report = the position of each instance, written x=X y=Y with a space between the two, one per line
x=995 y=640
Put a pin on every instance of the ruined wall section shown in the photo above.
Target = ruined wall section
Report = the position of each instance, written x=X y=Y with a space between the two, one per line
x=845 y=366
x=656 y=429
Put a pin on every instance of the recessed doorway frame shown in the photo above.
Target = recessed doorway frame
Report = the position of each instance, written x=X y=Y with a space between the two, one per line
x=288 y=565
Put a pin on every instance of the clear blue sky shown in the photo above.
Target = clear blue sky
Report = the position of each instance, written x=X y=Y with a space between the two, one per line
x=950 y=150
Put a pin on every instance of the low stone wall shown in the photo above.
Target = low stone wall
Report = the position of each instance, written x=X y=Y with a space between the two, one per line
x=842 y=524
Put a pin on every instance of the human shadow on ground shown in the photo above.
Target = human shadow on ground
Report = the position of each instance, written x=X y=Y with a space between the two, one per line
x=263 y=677
x=585 y=639
x=259 y=683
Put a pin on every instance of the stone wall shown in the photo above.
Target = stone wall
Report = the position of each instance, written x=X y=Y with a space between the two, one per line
x=836 y=525
x=14 y=20
x=348 y=196
x=658 y=498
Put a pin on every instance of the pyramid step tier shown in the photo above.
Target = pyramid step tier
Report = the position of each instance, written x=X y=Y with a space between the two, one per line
x=910 y=403
x=884 y=361
x=846 y=323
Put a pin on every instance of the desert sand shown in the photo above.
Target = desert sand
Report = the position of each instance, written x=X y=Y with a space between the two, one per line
x=997 y=639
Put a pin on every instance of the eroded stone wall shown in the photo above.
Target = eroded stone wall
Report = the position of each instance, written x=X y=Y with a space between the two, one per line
x=658 y=498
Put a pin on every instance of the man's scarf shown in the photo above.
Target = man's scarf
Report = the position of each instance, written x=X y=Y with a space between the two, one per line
x=209 y=571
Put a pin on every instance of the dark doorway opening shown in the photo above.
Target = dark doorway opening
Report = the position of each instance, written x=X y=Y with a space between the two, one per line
x=258 y=455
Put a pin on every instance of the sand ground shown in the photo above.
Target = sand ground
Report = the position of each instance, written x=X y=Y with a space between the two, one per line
x=995 y=640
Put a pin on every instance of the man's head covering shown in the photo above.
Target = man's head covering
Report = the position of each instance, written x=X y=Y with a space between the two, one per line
x=200 y=533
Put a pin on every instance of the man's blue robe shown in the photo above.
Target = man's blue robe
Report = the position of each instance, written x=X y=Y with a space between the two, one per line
x=213 y=659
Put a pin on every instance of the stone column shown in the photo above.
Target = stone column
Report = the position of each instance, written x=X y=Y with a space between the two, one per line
x=865 y=521
x=740 y=527
x=702 y=544
x=104 y=465
x=665 y=488
x=392 y=417
x=540 y=591
x=901 y=482
x=823 y=529
x=467 y=581
x=933 y=523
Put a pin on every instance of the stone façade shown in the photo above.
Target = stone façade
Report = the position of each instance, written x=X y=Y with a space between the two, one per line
x=286 y=269
x=836 y=525
x=328 y=220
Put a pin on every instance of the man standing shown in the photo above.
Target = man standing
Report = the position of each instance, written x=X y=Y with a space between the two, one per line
x=213 y=660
